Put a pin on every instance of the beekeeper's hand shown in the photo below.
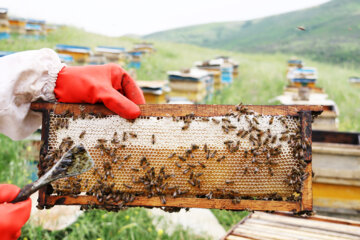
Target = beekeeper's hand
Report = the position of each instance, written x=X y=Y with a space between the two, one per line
x=12 y=215
x=39 y=74
x=108 y=84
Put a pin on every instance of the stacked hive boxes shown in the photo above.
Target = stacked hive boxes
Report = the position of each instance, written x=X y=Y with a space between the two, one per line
x=190 y=84
x=222 y=68
x=17 y=25
x=144 y=47
x=35 y=28
x=155 y=92
x=79 y=53
x=135 y=59
x=4 y=24
x=112 y=54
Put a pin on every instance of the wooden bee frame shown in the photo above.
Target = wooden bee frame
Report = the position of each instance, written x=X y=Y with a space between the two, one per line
x=305 y=114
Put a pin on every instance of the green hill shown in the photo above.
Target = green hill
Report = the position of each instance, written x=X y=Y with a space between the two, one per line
x=332 y=33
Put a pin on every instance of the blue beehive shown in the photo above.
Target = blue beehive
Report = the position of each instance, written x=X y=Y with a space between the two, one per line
x=227 y=74
x=134 y=64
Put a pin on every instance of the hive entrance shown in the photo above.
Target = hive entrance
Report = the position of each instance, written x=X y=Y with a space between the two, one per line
x=236 y=155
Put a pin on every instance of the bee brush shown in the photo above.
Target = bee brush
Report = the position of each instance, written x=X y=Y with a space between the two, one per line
x=72 y=163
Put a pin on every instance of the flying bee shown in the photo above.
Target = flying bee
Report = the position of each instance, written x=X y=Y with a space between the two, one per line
x=202 y=164
x=215 y=120
x=82 y=134
x=172 y=155
x=133 y=135
x=153 y=139
x=127 y=157
x=220 y=158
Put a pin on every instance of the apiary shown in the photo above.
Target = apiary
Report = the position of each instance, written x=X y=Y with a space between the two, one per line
x=179 y=156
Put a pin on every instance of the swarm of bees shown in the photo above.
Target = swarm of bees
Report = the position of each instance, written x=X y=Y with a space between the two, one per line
x=191 y=163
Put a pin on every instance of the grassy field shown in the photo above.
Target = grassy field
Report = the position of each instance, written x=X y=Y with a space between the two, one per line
x=262 y=77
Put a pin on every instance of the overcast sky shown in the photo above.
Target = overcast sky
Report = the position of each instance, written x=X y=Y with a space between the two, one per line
x=119 y=17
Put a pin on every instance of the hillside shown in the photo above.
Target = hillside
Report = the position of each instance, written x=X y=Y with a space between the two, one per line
x=332 y=33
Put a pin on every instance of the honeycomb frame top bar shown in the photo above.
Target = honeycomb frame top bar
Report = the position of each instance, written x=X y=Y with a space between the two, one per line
x=168 y=110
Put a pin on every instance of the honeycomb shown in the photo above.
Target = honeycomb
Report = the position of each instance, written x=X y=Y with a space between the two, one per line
x=156 y=138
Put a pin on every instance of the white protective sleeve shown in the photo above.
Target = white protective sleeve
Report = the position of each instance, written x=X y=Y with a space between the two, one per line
x=26 y=77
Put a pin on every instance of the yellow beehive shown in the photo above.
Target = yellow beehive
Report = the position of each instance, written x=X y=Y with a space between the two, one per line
x=155 y=92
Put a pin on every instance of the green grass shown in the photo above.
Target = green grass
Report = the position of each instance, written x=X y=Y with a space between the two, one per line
x=262 y=77
x=135 y=223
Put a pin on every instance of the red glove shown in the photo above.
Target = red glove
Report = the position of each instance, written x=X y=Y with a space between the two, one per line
x=109 y=84
x=12 y=216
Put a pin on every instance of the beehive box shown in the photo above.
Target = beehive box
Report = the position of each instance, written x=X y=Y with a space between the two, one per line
x=174 y=156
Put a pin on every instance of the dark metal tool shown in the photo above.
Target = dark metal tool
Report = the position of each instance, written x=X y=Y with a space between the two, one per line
x=74 y=162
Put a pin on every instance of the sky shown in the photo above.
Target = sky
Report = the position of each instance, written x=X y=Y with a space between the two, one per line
x=140 y=17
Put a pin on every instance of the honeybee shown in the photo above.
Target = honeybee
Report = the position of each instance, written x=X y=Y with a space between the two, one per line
x=202 y=164
x=133 y=135
x=127 y=157
x=229 y=181
x=191 y=182
x=213 y=154
x=205 y=148
x=194 y=147
x=124 y=136
x=215 y=120
x=182 y=158
x=128 y=186
x=82 y=134
x=186 y=126
x=199 y=174
x=172 y=155
x=271 y=120
x=153 y=139
x=220 y=158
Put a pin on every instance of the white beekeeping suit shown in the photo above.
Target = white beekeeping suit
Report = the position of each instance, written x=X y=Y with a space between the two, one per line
x=26 y=77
